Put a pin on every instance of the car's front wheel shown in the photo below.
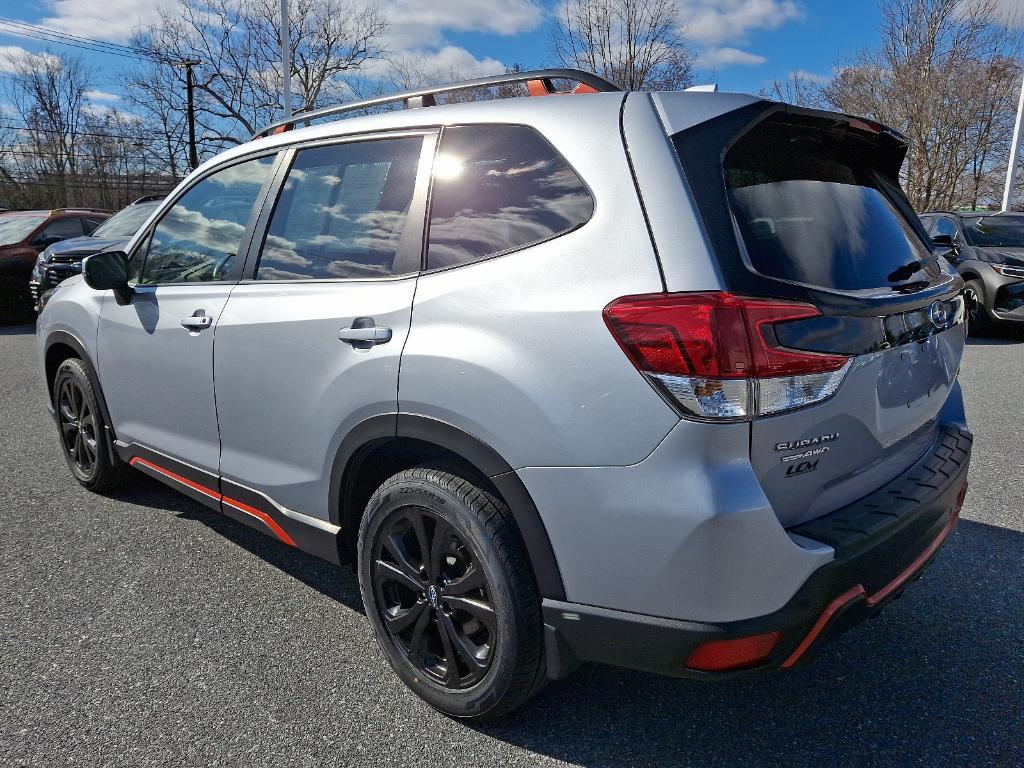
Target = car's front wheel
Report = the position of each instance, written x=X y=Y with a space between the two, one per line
x=450 y=595
x=978 y=321
x=81 y=427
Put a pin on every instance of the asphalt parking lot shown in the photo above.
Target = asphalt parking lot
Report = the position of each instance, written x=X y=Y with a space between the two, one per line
x=143 y=629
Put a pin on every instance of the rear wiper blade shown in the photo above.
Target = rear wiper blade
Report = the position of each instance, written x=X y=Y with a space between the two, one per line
x=907 y=271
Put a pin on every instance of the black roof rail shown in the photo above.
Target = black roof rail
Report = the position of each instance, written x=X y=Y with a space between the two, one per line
x=538 y=83
x=147 y=199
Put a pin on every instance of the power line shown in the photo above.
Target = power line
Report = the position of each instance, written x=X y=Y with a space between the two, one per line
x=62 y=38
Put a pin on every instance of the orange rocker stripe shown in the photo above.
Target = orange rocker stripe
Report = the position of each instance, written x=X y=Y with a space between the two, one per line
x=263 y=517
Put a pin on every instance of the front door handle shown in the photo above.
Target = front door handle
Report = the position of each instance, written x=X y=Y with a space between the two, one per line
x=364 y=333
x=197 y=321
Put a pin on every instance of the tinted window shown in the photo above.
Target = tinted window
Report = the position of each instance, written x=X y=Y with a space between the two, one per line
x=197 y=240
x=342 y=212
x=995 y=231
x=812 y=208
x=497 y=188
x=63 y=228
x=90 y=224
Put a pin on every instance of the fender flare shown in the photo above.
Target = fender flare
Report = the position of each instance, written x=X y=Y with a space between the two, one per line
x=67 y=339
x=376 y=430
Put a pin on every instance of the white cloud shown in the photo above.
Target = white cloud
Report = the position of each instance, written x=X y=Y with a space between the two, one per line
x=1010 y=13
x=812 y=77
x=719 y=21
x=723 y=57
x=453 y=58
x=101 y=96
x=111 y=20
x=421 y=23
x=11 y=55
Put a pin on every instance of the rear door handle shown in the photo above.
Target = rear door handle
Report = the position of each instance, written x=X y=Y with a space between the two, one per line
x=197 y=321
x=364 y=333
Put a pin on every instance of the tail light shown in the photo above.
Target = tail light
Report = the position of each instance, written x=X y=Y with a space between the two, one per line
x=715 y=356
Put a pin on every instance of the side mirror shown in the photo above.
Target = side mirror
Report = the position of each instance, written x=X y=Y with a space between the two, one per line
x=106 y=271
x=944 y=240
x=46 y=242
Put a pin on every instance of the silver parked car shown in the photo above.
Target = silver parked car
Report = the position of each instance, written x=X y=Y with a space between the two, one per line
x=666 y=381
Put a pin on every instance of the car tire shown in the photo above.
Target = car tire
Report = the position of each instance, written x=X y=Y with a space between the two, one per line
x=978 y=321
x=81 y=430
x=461 y=626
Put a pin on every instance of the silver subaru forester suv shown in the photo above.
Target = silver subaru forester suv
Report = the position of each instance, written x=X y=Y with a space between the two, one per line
x=661 y=380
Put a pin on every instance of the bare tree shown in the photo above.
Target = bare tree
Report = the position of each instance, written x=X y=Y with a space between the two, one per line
x=48 y=94
x=946 y=75
x=796 y=89
x=238 y=80
x=637 y=44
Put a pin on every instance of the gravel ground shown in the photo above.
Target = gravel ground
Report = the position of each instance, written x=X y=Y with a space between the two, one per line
x=143 y=629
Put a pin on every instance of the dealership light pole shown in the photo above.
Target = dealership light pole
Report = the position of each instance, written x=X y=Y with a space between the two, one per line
x=286 y=62
x=1011 y=172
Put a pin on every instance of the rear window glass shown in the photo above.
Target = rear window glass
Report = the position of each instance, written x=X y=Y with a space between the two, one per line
x=497 y=188
x=811 y=209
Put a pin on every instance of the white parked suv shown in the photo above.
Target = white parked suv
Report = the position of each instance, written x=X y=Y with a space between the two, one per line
x=662 y=380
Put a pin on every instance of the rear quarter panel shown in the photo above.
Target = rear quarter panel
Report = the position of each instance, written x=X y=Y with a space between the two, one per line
x=514 y=350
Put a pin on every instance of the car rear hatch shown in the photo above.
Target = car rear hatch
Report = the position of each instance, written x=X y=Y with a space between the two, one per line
x=805 y=206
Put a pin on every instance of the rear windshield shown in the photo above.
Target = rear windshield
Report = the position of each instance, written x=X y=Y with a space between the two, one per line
x=14 y=227
x=812 y=208
x=995 y=232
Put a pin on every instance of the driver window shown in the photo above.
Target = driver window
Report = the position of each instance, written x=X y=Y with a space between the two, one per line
x=946 y=226
x=197 y=240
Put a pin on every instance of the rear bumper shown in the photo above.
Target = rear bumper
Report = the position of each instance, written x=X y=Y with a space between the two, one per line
x=882 y=543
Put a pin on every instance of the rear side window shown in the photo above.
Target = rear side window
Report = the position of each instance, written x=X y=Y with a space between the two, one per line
x=497 y=188
x=812 y=208
x=342 y=213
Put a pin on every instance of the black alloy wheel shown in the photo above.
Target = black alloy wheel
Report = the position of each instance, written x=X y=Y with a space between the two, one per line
x=449 y=592
x=77 y=428
x=433 y=598
x=82 y=429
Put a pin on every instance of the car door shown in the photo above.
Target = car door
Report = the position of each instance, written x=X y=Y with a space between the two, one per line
x=310 y=340
x=156 y=351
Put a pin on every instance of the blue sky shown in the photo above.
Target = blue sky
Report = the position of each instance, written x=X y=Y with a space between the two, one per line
x=744 y=44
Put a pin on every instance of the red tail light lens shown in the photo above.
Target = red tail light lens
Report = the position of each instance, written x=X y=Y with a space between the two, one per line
x=712 y=334
x=692 y=345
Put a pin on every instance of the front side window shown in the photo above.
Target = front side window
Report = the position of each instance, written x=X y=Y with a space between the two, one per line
x=497 y=188
x=197 y=240
x=63 y=228
x=813 y=208
x=342 y=213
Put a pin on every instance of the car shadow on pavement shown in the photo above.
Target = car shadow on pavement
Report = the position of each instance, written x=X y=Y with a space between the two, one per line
x=337 y=583
x=936 y=679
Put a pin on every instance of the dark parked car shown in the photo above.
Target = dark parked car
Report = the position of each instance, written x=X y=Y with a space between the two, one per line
x=987 y=250
x=23 y=235
x=64 y=259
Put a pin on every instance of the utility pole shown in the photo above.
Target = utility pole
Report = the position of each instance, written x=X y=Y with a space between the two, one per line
x=286 y=61
x=1011 y=172
x=193 y=157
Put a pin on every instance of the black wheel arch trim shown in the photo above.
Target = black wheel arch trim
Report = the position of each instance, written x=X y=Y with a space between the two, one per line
x=69 y=340
x=377 y=430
